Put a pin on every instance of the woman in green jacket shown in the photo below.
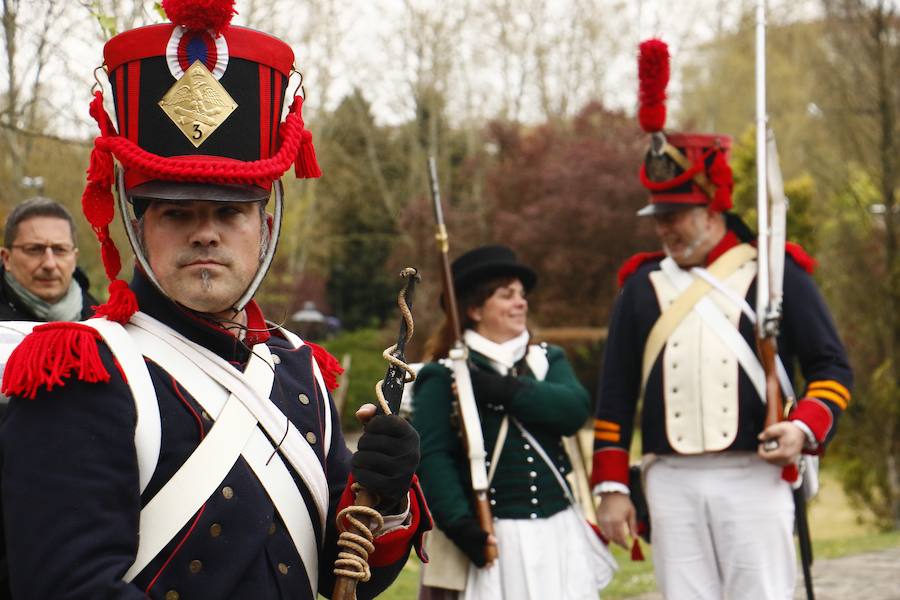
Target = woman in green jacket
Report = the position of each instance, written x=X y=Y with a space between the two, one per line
x=528 y=398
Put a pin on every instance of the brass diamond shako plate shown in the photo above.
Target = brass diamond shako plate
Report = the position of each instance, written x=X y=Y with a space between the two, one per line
x=197 y=103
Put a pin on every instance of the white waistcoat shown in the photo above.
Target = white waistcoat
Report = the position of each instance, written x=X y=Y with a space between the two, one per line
x=699 y=370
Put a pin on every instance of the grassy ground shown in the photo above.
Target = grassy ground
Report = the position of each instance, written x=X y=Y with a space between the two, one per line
x=837 y=529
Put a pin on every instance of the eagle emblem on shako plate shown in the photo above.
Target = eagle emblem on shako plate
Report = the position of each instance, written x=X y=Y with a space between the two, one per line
x=197 y=104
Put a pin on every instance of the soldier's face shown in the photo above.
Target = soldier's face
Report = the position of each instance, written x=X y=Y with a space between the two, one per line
x=42 y=257
x=503 y=315
x=686 y=235
x=204 y=254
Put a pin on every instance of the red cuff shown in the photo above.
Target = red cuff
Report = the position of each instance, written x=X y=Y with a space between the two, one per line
x=610 y=464
x=395 y=545
x=816 y=415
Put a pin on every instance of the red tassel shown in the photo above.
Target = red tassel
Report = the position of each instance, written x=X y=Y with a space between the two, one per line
x=52 y=353
x=200 y=14
x=790 y=473
x=122 y=303
x=636 y=553
x=721 y=176
x=100 y=115
x=306 y=165
x=328 y=364
x=98 y=204
x=100 y=169
x=653 y=75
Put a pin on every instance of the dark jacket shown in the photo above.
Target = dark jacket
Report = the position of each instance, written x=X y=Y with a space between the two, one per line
x=807 y=339
x=71 y=500
x=13 y=309
x=523 y=486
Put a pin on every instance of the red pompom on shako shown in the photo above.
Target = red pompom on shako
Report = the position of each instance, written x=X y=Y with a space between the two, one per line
x=214 y=15
x=679 y=170
x=197 y=101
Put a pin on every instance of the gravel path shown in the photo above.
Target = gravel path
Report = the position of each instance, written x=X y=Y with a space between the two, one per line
x=872 y=576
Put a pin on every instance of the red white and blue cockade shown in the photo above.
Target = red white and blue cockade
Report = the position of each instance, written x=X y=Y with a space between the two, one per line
x=187 y=46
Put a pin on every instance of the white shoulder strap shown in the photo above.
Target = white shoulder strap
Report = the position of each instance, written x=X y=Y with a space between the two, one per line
x=786 y=387
x=674 y=314
x=238 y=436
x=719 y=324
x=294 y=445
x=148 y=430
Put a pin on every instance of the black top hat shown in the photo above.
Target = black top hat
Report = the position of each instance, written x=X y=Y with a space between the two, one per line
x=487 y=262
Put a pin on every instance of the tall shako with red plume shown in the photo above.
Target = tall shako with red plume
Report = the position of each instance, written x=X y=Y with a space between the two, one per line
x=197 y=101
x=687 y=169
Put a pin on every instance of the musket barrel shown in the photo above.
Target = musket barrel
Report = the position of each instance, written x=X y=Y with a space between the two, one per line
x=762 y=200
x=470 y=424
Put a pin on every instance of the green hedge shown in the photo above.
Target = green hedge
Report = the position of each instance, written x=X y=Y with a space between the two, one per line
x=366 y=367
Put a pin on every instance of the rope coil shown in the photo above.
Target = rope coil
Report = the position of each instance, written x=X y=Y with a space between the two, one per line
x=356 y=540
x=359 y=524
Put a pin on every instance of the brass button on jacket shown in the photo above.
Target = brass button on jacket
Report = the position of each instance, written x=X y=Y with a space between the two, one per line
x=215 y=530
x=172 y=595
x=195 y=566
x=282 y=568
x=228 y=492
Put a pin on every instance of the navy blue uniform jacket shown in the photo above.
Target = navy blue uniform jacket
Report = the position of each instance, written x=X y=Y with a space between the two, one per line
x=71 y=498
x=808 y=338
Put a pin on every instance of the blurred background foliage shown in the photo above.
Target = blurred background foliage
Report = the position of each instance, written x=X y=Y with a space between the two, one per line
x=529 y=108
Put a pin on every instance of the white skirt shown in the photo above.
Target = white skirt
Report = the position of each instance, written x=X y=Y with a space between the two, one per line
x=560 y=557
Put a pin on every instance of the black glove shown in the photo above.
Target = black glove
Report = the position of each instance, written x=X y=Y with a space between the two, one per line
x=386 y=459
x=468 y=535
x=493 y=388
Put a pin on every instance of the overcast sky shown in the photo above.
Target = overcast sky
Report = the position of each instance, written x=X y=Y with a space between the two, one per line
x=370 y=50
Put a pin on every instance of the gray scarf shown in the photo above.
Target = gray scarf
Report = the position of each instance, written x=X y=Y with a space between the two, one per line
x=68 y=308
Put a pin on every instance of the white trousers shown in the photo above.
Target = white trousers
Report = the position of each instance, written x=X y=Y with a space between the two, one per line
x=722 y=528
x=558 y=558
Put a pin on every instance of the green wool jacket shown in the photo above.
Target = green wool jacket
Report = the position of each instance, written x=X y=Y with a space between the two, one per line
x=523 y=486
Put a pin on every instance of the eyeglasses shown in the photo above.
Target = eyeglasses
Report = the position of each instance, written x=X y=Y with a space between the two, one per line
x=39 y=250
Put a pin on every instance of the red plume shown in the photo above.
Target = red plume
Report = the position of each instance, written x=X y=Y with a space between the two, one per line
x=200 y=14
x=653 y=74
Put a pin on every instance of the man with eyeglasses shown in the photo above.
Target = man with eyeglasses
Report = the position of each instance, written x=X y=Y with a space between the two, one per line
x=40 y=280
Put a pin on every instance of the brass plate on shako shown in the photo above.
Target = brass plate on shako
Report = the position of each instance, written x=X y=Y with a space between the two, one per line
x=197 y=103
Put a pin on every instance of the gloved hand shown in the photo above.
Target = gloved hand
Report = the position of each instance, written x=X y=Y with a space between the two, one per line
x=468 y=535
x=493 y=388
x=386 y=459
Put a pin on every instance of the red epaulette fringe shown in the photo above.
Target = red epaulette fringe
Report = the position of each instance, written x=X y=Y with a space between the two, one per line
x=51 y=354
x=633 y=264
x=801 y=257
x=328 y=364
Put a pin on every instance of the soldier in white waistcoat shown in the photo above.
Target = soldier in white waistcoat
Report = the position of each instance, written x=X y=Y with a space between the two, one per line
x=181 y=445
x=722 y=514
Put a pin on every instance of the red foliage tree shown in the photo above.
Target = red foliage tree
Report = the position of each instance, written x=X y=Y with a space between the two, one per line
x=565 y=197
